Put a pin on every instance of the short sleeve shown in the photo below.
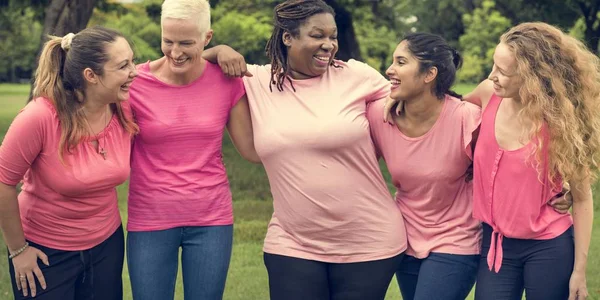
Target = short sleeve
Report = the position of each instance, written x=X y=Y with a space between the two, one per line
x=470 y=120
x=237 y=90
x=379 y=86
x=24 y=140
x=374 y=113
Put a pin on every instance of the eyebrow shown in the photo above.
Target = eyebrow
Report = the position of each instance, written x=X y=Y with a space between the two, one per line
x=322 y=30
x=399 y=57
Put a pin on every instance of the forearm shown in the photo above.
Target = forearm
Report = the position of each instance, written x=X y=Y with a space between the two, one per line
x=10 y=219
x=211 y=53
x=583 y=217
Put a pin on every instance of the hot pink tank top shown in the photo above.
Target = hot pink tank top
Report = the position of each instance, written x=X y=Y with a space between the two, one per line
x=509 y=193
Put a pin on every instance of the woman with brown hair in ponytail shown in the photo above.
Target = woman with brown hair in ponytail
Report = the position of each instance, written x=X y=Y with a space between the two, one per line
x=70 y=147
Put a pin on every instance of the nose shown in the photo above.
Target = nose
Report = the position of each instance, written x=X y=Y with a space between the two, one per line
x=134 y=72
x=328 y=46
x=175 y=52
x=389 y=71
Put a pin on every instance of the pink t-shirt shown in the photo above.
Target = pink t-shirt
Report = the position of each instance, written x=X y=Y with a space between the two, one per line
x=177 y=172
x=71 y=206
x=429 y=174
x=330 y=200
x=508 y=192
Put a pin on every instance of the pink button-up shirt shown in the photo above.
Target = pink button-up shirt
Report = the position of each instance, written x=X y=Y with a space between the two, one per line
x=509 y=193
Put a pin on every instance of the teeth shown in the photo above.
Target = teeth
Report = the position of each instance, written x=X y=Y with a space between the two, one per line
x=322 y=58
x=394 y=81
x=179 y=61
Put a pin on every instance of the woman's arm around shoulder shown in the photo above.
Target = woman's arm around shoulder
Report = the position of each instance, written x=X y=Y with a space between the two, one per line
x=232 y=63
x=481 y=95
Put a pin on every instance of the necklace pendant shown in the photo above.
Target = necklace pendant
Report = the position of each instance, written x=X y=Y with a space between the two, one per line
x=102 y=152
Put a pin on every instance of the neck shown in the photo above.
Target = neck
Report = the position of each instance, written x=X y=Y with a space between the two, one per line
x=183 y=78
x=422 y=108
x=299 y=75
x=95 y=110
x=515 y=104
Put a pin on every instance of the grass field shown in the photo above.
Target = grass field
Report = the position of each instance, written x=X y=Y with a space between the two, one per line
x=247 y=277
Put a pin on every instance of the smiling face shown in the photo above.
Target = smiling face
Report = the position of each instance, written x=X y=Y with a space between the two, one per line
x=118 y=73
x=405 y=77
x=312 y=51
x=504 y=73
x=183 y=44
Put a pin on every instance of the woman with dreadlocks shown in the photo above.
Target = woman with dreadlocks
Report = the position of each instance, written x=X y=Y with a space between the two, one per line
x=336 y=232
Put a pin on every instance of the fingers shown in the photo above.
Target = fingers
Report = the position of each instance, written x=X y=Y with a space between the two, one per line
x=399 y=108
x=31 y=281
x=386 y=109
x=43 y=257
x=23 y=280
x=226 y=69
x=40 y=276
x=18 y=281
x=237 y=71
x=248 y=74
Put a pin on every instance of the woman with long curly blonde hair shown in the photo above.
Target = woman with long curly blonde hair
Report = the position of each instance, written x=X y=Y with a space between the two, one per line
x=540 y=129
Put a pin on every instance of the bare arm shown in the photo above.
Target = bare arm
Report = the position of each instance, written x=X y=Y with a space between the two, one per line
x=240 y=130
x=481 y=95
x=25 y=261
x=583 y=217
x=231 y=62
x=10 y=220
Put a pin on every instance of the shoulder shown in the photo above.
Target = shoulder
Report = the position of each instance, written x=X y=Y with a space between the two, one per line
x=481 y=95
x=358 y=67
x=39 y=113
x=40 y=109
x=375 y=111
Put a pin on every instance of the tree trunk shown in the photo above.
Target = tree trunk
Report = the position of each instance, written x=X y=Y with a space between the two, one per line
x=348 y=45
x=62 y=17
x=589 y=10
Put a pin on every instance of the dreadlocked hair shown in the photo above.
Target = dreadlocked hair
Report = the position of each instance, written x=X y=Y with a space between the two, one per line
x=289 y=16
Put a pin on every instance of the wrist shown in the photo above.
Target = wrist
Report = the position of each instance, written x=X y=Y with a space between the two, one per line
x=17 y=252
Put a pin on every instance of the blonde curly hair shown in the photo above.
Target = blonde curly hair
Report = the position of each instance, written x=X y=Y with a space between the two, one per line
x=561 y=88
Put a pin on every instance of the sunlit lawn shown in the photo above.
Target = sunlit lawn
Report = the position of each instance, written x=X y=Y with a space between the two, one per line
x=247 y=277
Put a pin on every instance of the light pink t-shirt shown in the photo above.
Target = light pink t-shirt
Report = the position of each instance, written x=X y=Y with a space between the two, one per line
x=429 y=174
x=331 y=203
x=508 y=192
x=177 y=172
x=71 y=206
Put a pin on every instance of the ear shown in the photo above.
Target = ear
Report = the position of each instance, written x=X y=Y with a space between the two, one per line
x=287 y=38
x=431 y=74
x=208 y=37
x=90 y=76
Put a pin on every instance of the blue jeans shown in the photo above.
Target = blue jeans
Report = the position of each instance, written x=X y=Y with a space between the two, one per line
x=152 y=258
x=541 y=268
x=438 y=276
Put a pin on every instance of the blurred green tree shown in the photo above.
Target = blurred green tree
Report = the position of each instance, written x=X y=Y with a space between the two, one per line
x=483 y=27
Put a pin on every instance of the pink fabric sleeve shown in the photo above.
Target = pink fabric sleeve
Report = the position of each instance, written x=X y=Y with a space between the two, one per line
x=374 y=111
x=380 y=86
x=470 y=119
x=23 y=141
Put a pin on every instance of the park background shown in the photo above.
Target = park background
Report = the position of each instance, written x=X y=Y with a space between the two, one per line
x=369 y=31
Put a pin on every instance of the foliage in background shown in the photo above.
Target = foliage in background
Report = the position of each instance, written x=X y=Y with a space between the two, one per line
x=374 y=30
x=483 y=28
x=20 y=34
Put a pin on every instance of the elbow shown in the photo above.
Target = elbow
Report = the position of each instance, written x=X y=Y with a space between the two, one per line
x=254 y=158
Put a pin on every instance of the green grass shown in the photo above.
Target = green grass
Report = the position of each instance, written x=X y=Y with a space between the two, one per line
x=247 y=278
